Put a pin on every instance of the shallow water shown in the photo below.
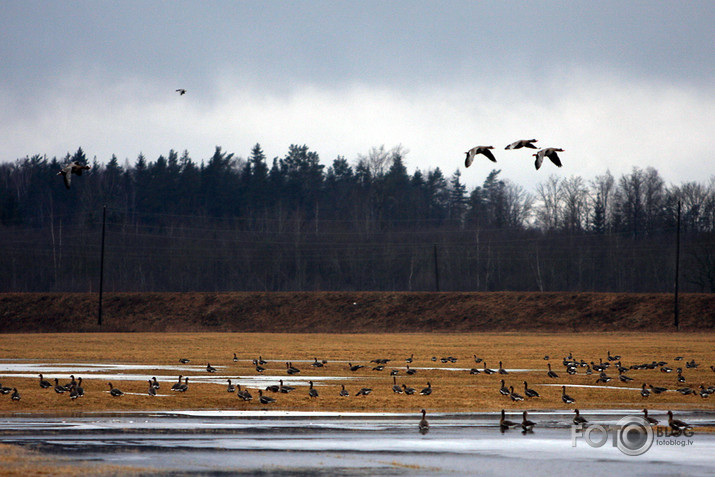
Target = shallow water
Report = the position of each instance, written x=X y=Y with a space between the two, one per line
x=318 y=443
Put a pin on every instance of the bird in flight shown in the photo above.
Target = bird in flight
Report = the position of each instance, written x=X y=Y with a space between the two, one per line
x=522 y=143
x=73 y=167
x=181 y=91
x=549 y=152
x=478 y=150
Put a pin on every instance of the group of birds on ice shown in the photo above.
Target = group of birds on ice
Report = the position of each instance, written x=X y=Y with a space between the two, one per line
x=76 y=168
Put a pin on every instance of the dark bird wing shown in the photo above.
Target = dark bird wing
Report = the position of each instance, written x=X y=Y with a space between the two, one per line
x=489 y=155
x=555 y=158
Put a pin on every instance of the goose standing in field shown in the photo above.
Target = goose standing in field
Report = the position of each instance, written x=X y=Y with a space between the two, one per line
x=292 y=369
x=565 y=397
x=651 y=420
x=526 y=425
x=209 y=368
x=505 y=424
x=185 y=386
x=529 y=143
x=114 y=391
x=644 y=392
x=428 y=390
x=73 y=167
x=515 y=396
x=312 y=392
x=410 y=359
x=408 y=390
x=152 y=389
x=363 y=392
x=424 y=425
x=504 y=390
x=7 y=390
x=344 y=392
x=260 y=368
x=265 y=399
x=184 y=360
x=15 y=395
x=235 y=358
x=154 y=382
x=623 y=377
x=410 y=371
x=487 y=370
x=578 y=419
x=58 y=388
x=477 y=360
x=44 y=384
x=502 y=370
x=549 y=152
x=657 y=389
x=676 y=425
x=284 y=389
x=243 y=393
x=681 y=378
x=316 y=363
x=261 y=361
x=177 y=384
x=396 y=387
x=73 y=393
x=230 y=388
x=530 y=392
x=484 y=150
x=551 y=373
x=355 y=367
x=79 y=388
x=686 y=390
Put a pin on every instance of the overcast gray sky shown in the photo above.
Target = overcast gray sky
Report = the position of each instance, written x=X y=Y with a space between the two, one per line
x=616 y=84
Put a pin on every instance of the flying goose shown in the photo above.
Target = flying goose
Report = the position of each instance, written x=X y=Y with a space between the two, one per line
x=530 y=392
x=181 y=91
x=114 y=391
x=549 y=152
x=424 y=425
x=478 y=150
x=73 y=167
x=522 y=143
x=505 y=424
x=651 y=420
x=565 y=397
x=526 y=425
x=578 y=419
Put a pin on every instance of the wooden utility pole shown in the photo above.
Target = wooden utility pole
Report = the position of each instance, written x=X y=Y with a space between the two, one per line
x=101 y=267
x=677 y=270
x=436 y=269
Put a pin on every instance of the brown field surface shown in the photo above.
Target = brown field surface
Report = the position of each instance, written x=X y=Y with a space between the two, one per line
x=453 y=391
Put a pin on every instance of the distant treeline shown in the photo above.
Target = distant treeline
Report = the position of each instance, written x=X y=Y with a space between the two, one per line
x=230 y=223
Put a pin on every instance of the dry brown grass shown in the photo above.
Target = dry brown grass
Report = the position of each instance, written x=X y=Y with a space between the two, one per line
x=452 y=391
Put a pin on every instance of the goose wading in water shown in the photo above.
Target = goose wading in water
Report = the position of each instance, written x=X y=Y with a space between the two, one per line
x=73 y=167
x=529 y=143
x=483 y=150
x=526 y=425
x=505 y=424
x=651 y=420
x=549 y=152
x=424 y=425
x=578 y=419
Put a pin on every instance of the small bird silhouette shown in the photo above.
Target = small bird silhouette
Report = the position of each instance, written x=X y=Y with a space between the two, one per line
x=181 y=91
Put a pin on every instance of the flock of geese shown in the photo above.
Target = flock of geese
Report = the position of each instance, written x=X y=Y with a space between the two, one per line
x=572 y=366
x=549 y=152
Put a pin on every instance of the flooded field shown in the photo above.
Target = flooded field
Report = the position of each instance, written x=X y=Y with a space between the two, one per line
x=315 y=443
